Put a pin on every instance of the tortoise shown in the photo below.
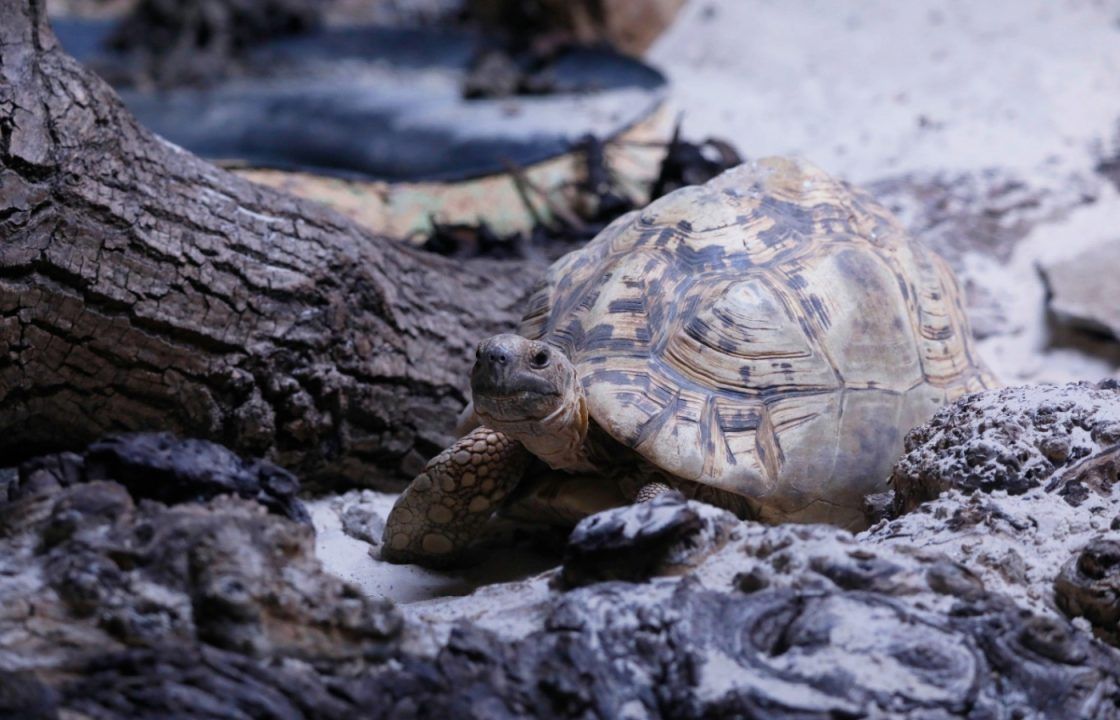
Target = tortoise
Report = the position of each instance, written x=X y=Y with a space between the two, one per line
x=762 y=342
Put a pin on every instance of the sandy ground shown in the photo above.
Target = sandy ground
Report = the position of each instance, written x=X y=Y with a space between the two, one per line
x=876 y=87
x=872 y=89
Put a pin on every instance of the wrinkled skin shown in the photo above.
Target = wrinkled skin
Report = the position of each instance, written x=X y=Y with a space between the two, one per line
x=531 y=404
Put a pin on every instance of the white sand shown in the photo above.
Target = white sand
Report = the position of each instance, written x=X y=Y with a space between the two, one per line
x=873 y=88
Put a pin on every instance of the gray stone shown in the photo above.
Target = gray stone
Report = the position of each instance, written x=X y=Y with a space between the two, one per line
x=1011 y=440
x=90 y=565
x=1085 y=289
x=664 y=536
x=160 y=466
x=359 y=516
x=1011 y=483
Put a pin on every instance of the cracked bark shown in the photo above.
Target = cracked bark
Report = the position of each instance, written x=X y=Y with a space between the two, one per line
x=142 y=288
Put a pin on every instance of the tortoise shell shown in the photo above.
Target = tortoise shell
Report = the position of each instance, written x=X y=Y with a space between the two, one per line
x=773 y=333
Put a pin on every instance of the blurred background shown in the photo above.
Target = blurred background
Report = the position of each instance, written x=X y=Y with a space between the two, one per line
x=513 y=128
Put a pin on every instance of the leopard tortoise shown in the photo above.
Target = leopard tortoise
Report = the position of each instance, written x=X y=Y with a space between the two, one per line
x=762 y=342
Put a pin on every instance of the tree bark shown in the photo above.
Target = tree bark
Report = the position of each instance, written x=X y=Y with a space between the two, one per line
x=143 y=288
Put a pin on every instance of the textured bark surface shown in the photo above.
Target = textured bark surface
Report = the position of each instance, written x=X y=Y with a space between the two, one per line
x=142 y=288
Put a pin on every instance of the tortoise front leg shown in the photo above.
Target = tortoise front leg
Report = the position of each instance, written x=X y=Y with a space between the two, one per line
x=447 y=505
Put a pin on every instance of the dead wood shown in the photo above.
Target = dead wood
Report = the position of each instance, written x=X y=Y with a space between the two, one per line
x=143 y=288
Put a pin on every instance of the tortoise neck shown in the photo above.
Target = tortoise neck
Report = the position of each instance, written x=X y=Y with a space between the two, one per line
x=560 y=439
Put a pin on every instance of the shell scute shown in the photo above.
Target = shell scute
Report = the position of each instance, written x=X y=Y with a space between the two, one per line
x=773 y=333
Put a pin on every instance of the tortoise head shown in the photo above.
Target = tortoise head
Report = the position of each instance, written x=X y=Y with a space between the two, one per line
x=530 y=391
x=520 y=381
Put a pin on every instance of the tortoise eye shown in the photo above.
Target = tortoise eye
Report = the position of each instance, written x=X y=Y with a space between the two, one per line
x=540 y=359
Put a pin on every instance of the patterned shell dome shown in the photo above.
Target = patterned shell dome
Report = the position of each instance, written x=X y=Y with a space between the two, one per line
x=773 y=333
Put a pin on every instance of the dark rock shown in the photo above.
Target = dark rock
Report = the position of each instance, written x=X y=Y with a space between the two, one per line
x=666 y=535
x=1089 y=587
x=46 y=473
x=9 y=477
x=757 y=578
x=1110 y=168
x=1013 y=440
x=949 y=578
x=857 y=572
x=877 y=506
x=1093 y=476
x=160 y=466
x=89 y=568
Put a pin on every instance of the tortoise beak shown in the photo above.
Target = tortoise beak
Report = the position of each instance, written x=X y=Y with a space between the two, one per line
x=504 y=367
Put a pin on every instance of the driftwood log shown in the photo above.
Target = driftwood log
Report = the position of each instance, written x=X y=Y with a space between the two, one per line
x=143 y=288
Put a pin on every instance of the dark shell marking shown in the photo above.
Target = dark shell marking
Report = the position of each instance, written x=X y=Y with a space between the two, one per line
x=773 y=333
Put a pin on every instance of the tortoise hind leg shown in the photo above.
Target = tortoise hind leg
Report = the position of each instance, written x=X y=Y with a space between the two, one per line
x=651 y=490
x=560 y=498
x=448 y=504
x=554 y=497
x=737 y=504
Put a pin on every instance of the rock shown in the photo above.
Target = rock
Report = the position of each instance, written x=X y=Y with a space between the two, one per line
x=91 y=567
x=9 y=478
x=1109 y=166
x=115 y=606
x=159 y=466
x=1094 y=476
x=359 y=515
x=1010 y=440
x=188 y=682
x=1011 y=483
x=877 y=506
x=786 y=621
x=666 y=535
x=1082 y=289
x=1089 y=587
